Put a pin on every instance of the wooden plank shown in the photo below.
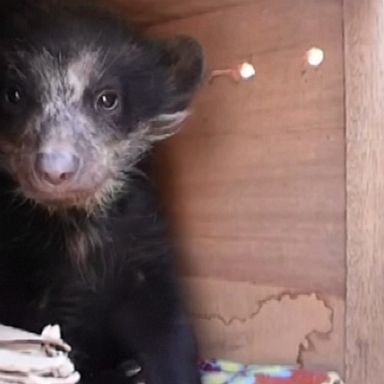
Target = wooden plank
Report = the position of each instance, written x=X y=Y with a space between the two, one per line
x=364 y=56
x=151 y=12
x=266 y=324
x=255 y=183
x=257 y=175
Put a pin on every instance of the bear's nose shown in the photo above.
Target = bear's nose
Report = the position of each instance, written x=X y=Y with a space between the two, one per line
x=56 y=167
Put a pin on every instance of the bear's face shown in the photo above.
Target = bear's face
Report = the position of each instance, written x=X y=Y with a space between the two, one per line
x=82 y=97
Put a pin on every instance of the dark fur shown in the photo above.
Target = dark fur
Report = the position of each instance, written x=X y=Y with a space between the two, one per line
x=97 y=261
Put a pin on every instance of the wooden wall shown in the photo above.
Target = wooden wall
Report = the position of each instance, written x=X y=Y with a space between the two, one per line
x=152 y=12
x=255 y=185
x=364 y=57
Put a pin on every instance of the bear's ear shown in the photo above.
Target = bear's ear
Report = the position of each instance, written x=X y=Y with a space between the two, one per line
x=182 y=58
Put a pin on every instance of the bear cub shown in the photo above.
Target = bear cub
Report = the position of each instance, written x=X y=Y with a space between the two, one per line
x=83 y=97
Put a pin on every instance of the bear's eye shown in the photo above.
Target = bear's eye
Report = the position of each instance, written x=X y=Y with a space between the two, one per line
x=13 y=99
x=107 y=101
x=13 y=96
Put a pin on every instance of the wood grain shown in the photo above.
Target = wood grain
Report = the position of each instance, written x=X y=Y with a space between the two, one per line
x=255 y=185
x=151 y=12
x=256 y=179
x=364 y=56
x=264 y=324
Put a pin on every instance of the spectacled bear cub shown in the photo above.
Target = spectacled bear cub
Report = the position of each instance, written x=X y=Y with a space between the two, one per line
x=83 y=97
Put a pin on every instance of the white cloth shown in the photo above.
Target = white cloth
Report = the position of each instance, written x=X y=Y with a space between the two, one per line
x=28 y=358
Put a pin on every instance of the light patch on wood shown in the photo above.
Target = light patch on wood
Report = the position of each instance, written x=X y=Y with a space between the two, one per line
x=327 y=351
x=285 y=326
x=260 y=324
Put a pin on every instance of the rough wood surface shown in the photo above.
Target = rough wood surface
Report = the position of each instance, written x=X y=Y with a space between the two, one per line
x=265 y=324
x=364 y=56
x=150 y=12
x=255 y=184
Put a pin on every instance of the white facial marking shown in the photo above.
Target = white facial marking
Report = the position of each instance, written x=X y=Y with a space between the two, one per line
x=63 y=84
x=78 y=74
x=164 y=126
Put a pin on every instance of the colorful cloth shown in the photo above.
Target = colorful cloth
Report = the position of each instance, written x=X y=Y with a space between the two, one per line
x=225 y=372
